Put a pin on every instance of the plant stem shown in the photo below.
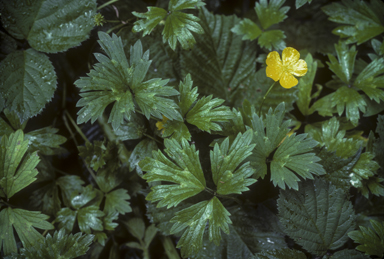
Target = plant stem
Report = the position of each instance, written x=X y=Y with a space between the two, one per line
x=148 y=136
x=106 y=4
x=222 y=196
x=116 y=27
x=265 y=96
x=124 y=154
x=46 y=231
x=76 y=127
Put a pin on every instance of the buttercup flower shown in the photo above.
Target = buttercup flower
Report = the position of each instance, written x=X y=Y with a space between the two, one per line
x=284 y=70
x=160 y=124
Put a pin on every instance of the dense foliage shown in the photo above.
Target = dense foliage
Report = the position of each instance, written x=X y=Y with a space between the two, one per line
x=192 y=129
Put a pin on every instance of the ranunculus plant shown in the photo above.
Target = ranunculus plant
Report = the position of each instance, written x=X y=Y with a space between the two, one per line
x=192 y=129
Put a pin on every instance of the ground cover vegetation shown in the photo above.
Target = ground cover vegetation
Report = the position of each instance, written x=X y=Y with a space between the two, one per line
x=192 y=129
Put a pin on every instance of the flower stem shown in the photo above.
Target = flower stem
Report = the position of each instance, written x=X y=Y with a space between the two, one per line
x=106 y=4
x=265 y=96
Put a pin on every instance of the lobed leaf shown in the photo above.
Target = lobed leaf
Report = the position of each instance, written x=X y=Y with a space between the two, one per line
x=228 y=173
x=16 y=173
x=116 y=80
x=270 y=12
x=362 y=20
x=371 y=239
x=248 y=28
x=60 y=245
x=177 y=25
x=185 y=171
x=195 y=218
x=291 y=154
x=24 y=222
x=142 y=150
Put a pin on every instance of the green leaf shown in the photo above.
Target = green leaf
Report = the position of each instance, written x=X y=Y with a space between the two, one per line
x=373 y=107
x=188 y=94
x=227 y=60
x=231 y=247
x=185 y=172
x=317 y=217
x=162 y=216
x=256 y=87
x=24 y=222
x=177 y=5
x=258 y=228
x=370 y=80
x=49 y=26
x=116 y=80
x=176 y=130
x=27 y=82
x=153 y=18
x=150 y=233
x=324 y=106
x=273 y=39
x=8 y=45
x=291 y=156
x=248 y=28
x=343 y=66
x=195 y=218
x=338 y=169
x=131 y=129
x=363 y=176
x=350 y=100
x=347 y=254
x=300 y=3
x=371 y=240
x=66 y=218
x=117 y=201
x=362 y=21
x=60 y=246
x=84 y=212
x=88 y=217
x=136 y=227
x=333 y=138
x=284 y=253
x=69 y=184
x=142 y=150
x=226 y=159
x=305 y=86
x=206 y=112
x=177 y=26
x=99 y=153
x=45 y=140
x=108 y=221
x=16 y=173
x=271 y=12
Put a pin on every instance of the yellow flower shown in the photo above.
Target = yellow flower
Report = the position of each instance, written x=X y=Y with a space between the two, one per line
x=160 y=124
x=286 y=69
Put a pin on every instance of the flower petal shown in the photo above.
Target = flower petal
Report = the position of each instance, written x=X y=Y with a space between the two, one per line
x=300 y=68
x=274 y=66
x=288 y=80
x=274 y=72
x=273 y=59
x=290 y=57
